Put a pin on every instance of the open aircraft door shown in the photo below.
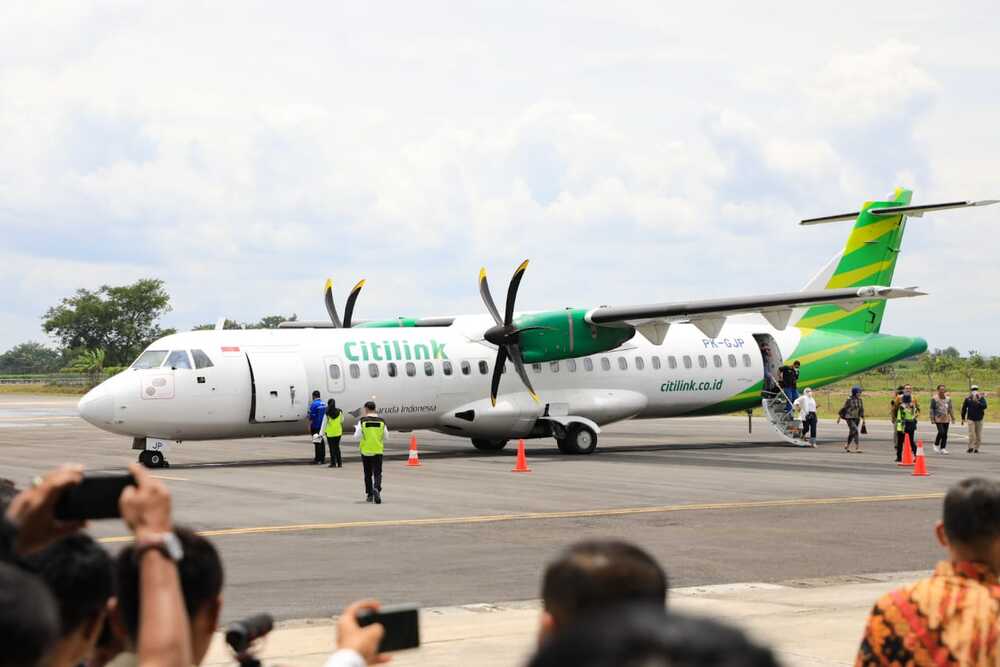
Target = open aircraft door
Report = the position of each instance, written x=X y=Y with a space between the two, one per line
x=279 y=389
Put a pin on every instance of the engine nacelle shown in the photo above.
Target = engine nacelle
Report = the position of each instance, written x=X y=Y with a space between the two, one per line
x=566 y=334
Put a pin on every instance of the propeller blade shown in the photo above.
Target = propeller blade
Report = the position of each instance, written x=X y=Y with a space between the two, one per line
x=497 y=373
x=349 y=308
x=484 y=291
x=331 y=308
x=515 y=282
x=515 y=356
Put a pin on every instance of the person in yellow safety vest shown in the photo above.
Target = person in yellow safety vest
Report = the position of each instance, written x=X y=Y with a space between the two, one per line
x=332 y=429
x=372 y=434
x=906 y=424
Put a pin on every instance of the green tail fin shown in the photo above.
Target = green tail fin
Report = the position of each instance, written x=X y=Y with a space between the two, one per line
x=868 y=258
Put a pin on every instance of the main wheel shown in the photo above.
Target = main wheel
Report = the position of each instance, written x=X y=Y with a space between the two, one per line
x=580 y=439
x=154 y=460
x=484 y=445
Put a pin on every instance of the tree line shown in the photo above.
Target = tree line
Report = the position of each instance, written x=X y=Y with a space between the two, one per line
x=105 y=328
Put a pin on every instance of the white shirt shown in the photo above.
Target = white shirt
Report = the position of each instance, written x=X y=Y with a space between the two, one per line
x=805 y=404
x=345 y=657
x=357 y=429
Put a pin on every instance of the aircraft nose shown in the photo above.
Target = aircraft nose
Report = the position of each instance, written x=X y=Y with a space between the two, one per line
x=97 y=406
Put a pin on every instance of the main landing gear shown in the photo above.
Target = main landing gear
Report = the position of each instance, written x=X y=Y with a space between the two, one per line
x=579 y=439
x=152 y=459
x=485 y=445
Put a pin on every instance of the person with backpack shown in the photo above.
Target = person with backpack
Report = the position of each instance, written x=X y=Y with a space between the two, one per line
x=942 y=414
x=853 y=412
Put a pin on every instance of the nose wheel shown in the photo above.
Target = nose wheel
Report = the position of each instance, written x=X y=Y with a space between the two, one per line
x=152 y=459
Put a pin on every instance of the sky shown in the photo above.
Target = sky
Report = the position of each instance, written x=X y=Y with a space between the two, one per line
x=635 y=151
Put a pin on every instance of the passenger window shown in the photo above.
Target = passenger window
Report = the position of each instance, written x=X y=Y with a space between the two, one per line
x=428 y=368
x=178 y=359
x=484 y=367
x=411 y=369
x=702 y=361
x=605 y=364
x=732 y=361
x=554 y=366
x=746 y=361
x=373 y=370
x=466 y=368
x=446 y=367
x=201 y=359
x=334 y=372
x=571 y=365
x=150 y=359
x=536 y=367
x=623 y=363
x=391 y=369
x=588 y=364
x=355 y=371
x=656 y=363
x=672 y=362
x=640 y=363
x=717 y=360
x=687 y=361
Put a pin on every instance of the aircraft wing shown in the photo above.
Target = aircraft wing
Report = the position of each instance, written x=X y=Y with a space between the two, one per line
x=709 y=315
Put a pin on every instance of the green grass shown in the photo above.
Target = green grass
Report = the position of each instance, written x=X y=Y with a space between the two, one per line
x=44 y=388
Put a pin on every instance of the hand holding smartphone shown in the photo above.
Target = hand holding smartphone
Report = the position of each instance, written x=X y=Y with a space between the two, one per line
x=95 y=497
x=401 y=623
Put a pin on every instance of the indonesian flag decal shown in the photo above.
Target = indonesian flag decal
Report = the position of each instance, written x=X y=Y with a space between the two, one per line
x=235 y=348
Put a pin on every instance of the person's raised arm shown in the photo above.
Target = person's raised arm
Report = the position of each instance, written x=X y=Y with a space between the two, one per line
x=32 y=512
x=164 y=630
x=357 y=645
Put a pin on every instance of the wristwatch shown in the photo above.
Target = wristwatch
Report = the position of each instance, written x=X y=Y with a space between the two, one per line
x=165 y=543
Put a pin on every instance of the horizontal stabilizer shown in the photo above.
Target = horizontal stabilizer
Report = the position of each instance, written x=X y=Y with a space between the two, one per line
x=909 y=211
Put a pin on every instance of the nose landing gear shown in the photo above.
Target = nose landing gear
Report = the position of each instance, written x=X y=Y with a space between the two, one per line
x=153 y=459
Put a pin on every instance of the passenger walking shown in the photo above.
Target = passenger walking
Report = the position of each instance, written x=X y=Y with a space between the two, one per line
x=853 y=413
x=906 y=423
x=788 y=380
x=332 y=430
x=942 y=414
x=973 y=412
x=316 y=411
x=806 y=405
x=372 y=433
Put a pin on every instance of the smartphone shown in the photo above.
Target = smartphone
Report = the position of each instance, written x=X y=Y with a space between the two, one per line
x=95 y=497
x=401 y=623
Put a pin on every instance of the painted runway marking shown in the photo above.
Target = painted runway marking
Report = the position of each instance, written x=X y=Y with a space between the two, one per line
x=176 y=479
x=536 y=516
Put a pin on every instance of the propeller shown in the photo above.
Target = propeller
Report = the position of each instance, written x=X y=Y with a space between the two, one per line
x=504 y=334
x=331 y=307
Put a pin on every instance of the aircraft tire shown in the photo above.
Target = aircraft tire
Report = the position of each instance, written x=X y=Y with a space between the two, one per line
x=153 y=460
x=580 y=439
x=563 y=446
x=485 y=445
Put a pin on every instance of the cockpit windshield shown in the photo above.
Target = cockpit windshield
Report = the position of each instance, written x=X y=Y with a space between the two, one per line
x=178 y=359
x=150 y=359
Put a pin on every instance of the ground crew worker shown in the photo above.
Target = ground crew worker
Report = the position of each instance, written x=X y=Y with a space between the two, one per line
x=942 y=414
x=316 y=411
x=906 y=424
x=973 y=411
x=332 y=429
x=372 y=433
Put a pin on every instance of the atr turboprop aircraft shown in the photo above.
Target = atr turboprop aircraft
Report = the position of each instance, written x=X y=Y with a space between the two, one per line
x=559 y=373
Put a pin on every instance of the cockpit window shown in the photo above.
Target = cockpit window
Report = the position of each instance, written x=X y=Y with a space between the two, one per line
x=150 y=359
x=178 y=359
x=201 y=359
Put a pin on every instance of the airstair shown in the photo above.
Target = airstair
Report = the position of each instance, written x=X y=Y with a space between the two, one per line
x=778 y=412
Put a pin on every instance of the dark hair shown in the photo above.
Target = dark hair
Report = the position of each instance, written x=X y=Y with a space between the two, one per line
x=200 y=572
x=899 y=389
x=316 y=393
x=370 y=405
x=78 y=572
x=592 y=575
x=29 y=623
x=796 y=363
x=642 y=635
x=331 y=408
x=972 y=511
x=940 y=386
x=8 y=490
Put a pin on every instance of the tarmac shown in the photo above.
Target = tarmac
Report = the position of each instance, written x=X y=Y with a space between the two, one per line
x=715 y=504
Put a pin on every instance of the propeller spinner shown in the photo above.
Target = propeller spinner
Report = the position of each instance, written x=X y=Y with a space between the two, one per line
x=504 y=334
x=331 y=308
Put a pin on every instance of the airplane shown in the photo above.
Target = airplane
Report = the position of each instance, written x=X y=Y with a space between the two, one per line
x=561 y=373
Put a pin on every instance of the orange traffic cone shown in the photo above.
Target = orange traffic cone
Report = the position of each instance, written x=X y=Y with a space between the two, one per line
x=920 y=467
x=414 y=459
x=522 y=460
x=907 y=452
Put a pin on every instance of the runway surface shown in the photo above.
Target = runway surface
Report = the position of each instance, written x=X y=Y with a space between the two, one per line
x=713 y=503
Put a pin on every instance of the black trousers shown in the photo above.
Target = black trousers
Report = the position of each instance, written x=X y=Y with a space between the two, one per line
x=911 y=429
x=335 y=458
x=373 y=472
x=319 y=449
x=941 y=440
x=809 y=425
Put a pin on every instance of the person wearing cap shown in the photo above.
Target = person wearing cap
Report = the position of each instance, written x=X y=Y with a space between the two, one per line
x=942 y=414
x=973 y=411
x=372 y=433
x=806 y=405
x=853 y=413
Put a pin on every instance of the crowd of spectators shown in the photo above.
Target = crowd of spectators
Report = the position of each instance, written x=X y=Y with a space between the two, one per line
x=65 y=602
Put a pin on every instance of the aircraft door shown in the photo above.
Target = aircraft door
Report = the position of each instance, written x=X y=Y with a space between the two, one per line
x=279 y=386
x=335 y=370
x=771 y=355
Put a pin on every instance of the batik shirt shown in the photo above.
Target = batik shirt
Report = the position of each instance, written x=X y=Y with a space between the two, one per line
x=952 y=618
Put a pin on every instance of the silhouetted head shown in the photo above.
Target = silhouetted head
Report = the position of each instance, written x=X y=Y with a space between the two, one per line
x=316 y=394
x=29 y=621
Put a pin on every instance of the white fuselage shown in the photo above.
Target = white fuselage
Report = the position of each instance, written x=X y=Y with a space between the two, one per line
x=260 y=382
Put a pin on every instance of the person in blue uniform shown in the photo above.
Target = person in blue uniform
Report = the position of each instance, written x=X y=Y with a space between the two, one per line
x=317 y=410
